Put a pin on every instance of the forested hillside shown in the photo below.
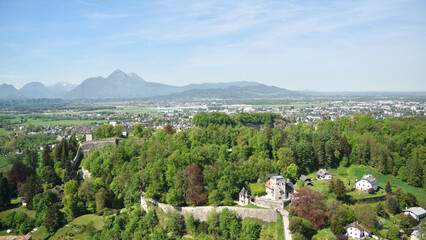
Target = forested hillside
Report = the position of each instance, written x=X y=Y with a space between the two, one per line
x=224 y=158
x=210 y=163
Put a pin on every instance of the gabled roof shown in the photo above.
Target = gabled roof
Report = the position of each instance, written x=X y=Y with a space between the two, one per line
x=304 y=178
x=359 y=226
x=322 y=172
x=268 y=184
x=416 y=210
x=271 y=175
x=371 y=179
x=243 y=191
x=277 y=177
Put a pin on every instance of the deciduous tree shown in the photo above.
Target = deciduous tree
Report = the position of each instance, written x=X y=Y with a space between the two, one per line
x=195 y=194
x=73 y=205
x=18 y=173
x=308 y=205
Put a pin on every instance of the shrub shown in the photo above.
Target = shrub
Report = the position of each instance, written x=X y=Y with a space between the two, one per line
x=371 y=190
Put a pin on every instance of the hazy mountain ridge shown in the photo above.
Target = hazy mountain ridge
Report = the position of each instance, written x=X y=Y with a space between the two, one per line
x=130 y=85
x=118 y=85
x=36 y=90
x=233 y=92
x=121 y=85
x=8 y=91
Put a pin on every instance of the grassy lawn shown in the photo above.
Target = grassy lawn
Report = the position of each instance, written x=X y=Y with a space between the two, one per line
x=359 y=171
x=352 y=173
x=98 y=221
x=16 y=200
x=41 y=233
x=4 y=164
x=279 y=227
x=257 y=189
x=77 y=228
x=4 y=132
x=30 y=213
x=3 y=161
x=250 y=206
x=249 y=219
x=6 y=168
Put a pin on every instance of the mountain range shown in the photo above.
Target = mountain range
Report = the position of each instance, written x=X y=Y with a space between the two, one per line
x=129 y=86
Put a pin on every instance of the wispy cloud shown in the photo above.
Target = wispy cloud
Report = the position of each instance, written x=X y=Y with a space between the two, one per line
x=88 y=3
x=10 y=76
x=108 y=16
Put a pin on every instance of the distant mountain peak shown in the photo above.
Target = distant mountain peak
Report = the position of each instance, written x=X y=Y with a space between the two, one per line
x=133 y=75
x=117 y=73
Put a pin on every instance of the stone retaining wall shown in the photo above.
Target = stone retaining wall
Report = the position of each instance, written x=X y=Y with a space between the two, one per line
x=201 y=213
x=97 y=144
x=267 y=203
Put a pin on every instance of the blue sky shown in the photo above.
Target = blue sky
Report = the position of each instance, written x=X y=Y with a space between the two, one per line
x=317 y=45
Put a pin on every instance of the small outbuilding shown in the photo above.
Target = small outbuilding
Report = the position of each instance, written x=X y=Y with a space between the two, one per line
x=306 y=180
x=323 y=174
x=244 y=198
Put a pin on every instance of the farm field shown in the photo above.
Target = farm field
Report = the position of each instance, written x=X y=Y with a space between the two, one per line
x=60 y=122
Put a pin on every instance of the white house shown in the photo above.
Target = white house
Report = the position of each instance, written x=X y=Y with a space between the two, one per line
x=367 y=182
x=277 y=188
x=417 y=213
x=356 y=230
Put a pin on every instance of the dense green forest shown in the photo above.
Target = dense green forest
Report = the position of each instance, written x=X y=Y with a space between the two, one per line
x=229 y=156
x=210 y=163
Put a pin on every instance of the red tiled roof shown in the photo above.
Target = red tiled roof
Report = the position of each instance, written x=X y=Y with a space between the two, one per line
x=268 y=184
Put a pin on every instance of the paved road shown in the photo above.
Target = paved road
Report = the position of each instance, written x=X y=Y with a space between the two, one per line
x=287 y=234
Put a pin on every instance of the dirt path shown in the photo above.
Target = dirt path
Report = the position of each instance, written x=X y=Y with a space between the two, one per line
x=287 y=233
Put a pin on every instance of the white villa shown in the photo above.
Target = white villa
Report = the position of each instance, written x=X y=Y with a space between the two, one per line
x=367 y=182
x=357 y=231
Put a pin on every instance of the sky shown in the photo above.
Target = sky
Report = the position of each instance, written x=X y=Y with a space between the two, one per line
x=363 y=45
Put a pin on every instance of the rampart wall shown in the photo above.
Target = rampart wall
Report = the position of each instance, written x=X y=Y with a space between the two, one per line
x=201 y=213
x=97 y=144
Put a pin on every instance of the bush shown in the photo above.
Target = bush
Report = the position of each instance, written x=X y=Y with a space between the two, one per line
x=298 y=236
x=371 y=190
x=300 y=225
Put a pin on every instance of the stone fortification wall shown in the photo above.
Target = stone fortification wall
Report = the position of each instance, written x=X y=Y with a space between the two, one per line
x=97 y=144
x=90 y=145
x=201 y=213
x=267 y=203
